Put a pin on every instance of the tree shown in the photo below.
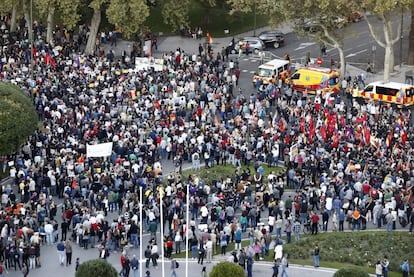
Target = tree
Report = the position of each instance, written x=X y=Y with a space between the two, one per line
x=384 y=11
x=351 y=272
x=128 y=14
x=7 y=6
x=97 y=267
x=326 y=25
x=175 y=13
x=302 y=12
x=17 y=118
x=227 y=269
x=410 y=59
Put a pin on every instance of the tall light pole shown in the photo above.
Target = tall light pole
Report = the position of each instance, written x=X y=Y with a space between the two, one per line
x=162 y=234
x=140 y=230
x=30 y=28
x=187 y=229
x=401 y=35
x=254 y=19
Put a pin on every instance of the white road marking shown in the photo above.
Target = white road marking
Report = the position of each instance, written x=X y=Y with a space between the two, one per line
x=304 y=45
x=356 y=53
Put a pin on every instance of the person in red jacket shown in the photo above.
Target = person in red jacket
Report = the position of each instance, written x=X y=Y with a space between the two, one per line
x=121 y=273
x=314 y=220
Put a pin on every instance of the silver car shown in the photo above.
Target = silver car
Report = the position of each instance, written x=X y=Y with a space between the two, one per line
x=255 y=43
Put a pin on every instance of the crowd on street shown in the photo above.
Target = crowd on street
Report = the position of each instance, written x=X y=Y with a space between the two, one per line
x=350 y=162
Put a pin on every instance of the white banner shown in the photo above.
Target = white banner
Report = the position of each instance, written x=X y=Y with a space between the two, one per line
x=99 y=150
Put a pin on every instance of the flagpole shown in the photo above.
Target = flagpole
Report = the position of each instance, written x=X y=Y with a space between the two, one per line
x=162 y=234
x=188 y=225
x=140 y=230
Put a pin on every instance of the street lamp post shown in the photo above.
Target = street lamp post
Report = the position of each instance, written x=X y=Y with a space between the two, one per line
x=254 y=19
x=30 y=28
x=374 y=49
x=401 y=35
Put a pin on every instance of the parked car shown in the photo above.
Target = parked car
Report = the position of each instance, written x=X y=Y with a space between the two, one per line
x=255 y=43
x=274 y=39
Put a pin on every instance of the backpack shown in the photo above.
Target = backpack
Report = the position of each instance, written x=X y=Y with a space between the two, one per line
x=177 y=265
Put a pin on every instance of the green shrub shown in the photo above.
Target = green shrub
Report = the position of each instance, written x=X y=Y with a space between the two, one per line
x=351 y=272
x=95 y=268
x=227 y=269
x=18 y=118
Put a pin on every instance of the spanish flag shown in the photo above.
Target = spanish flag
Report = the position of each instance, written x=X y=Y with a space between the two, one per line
x=388 y=140
x=209 y=38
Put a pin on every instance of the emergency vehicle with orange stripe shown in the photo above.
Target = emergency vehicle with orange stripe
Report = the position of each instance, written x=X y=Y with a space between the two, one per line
x=314 y=78
x=390 y=92
x=272 y=70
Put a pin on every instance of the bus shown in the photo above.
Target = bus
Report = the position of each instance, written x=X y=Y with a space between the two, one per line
x=269 y=71
x=389 y=92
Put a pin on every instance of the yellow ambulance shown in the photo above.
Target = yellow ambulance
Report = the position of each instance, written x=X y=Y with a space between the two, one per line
x=314 y=78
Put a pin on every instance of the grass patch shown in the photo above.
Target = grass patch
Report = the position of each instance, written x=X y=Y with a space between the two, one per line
x=360 y=249
x=338 y=250
x=219 y=172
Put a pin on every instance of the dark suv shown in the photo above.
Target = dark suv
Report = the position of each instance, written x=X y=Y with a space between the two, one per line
x=272 y=38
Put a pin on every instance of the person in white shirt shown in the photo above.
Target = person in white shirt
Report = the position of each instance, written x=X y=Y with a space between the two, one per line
x=209 y=250
x=154 y=255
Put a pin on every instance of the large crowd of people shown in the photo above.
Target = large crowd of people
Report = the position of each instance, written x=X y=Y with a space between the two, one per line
x=349 y=161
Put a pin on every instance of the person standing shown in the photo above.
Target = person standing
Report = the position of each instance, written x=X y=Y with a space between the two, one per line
x=204 y=272
x=147 y=255
x=135 y=265
x=154 y=255
x=285 y=265
x=242 y=259
x=127 y=266
x=25 y=270
x=314 y=221
x=122 y=260
x=385 y=266
x=61 y=251
x=378 y=269
x=201 y=253
x=68 y=250
x=288 y=229
x=173 y=268
x=405 y=267
x=209 y=250
x=77 y=264
x=296 y=229
x=249 y=266
x=275 y=269
x=316 y=256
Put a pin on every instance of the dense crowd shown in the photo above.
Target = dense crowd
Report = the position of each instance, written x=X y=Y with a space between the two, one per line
x=348 y=161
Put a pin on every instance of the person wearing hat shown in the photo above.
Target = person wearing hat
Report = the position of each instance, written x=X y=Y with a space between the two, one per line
x=147 y=274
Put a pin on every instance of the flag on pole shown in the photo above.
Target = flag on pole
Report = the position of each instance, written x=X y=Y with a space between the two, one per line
x=209 y=38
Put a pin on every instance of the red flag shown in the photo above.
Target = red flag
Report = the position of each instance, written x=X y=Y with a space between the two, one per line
x=323 y=132
x=367 y=134
x=403 y=137
x=302 y=125
x=388 y=140
x=209 y=38
x=335 y=142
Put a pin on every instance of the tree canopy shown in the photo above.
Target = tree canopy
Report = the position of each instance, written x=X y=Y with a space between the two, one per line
x=227 y=269
x=18 y=118
x=97 y=267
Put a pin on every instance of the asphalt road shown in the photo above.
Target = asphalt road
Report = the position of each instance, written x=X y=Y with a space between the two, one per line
x=359 y=45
